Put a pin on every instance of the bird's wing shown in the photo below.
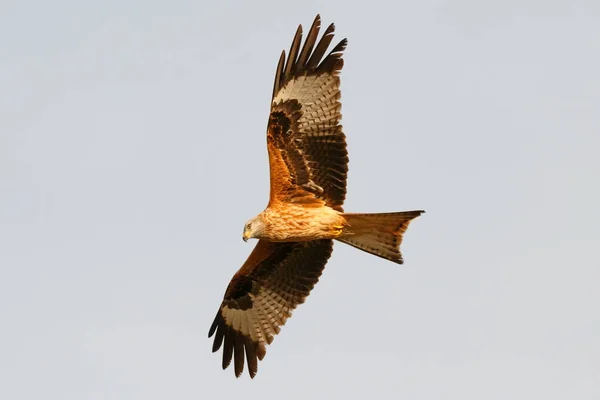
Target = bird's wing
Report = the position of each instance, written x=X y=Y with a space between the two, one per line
x=261 y=296
x=307 y=149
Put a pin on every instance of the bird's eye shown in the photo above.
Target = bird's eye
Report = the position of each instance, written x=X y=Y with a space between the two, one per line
x=247 y=227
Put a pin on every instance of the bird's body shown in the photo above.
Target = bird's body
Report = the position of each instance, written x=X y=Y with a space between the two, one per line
x=308 y=164
x=300 y=223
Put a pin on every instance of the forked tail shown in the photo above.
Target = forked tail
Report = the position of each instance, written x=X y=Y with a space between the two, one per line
x=378 y=234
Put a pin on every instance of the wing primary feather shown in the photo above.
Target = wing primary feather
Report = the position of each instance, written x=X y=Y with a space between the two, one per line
x=238 y=353
x=228 y=347
x=251 y=356
x=340 y=47
x=311 y=39
x=279 y=74
x=321 y=48
x=293 y=54
x=214 y=325
x=218 y=340
x=334 y=61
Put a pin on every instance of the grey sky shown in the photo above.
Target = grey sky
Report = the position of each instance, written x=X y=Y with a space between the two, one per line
x=132 y=151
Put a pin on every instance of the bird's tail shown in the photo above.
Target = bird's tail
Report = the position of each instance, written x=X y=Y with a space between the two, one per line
x=378 y=234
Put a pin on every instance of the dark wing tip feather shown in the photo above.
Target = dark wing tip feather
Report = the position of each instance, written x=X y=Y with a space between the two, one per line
x=228 y=346
x=251 y=356
x=309 y=44
x=309 y=59
x=334 y=62
x=279 y=74
x=321 y=47
x=236 y=346
x=293 y=54
x=238 y=351
x=213 y=327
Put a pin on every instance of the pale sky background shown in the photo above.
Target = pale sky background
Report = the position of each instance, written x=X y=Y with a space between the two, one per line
x=132 y=151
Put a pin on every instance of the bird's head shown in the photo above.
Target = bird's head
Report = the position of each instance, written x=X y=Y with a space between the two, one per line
x=253 y=228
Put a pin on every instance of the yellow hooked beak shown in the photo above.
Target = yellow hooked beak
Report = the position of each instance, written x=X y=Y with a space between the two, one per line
x=246 y=236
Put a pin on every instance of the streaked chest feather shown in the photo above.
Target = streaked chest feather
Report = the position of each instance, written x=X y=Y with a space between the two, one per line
x=297 y=223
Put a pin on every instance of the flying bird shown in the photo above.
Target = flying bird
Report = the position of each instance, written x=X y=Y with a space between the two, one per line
x=308 y=164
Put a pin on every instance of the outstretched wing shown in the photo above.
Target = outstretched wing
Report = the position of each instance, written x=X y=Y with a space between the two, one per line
x=307 y=149
x=261 y=296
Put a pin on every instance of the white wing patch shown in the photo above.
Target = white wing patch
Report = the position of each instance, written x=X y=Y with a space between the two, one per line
x=318 y=96
x=268 y=307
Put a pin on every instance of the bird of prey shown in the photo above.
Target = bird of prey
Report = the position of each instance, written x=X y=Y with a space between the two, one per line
x=308 y=165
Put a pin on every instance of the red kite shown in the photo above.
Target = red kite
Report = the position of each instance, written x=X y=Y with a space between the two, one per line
x=308 y=168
